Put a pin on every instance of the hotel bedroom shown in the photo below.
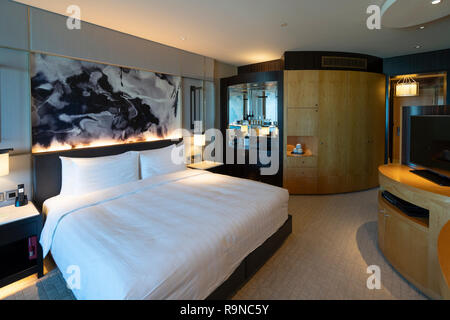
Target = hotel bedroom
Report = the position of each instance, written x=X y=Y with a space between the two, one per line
x=224 y=150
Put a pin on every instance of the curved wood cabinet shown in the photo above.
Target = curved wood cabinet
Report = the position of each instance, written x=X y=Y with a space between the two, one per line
x=339 y=118
x=444 y=260
x=409 y=243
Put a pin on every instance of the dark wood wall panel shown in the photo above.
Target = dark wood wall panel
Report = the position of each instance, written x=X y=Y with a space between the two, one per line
x=435 y=61
x=274 y=65
x=312 y=60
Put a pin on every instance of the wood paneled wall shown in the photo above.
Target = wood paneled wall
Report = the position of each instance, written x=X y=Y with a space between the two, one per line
x=339 y=116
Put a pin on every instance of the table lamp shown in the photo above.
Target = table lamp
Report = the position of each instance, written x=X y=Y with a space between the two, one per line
x=199 y=143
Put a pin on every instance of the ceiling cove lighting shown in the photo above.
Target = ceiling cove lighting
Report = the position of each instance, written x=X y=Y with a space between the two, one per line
x=407 y=87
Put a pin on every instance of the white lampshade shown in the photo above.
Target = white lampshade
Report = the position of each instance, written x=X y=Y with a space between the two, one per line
x=199 y=140
x=4 y=164
x=407 y=89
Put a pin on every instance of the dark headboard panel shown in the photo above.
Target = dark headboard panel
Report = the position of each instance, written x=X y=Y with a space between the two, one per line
x=408 y=112
x=47 y=166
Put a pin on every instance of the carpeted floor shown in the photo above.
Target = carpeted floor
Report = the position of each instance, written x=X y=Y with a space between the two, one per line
x=333 y=242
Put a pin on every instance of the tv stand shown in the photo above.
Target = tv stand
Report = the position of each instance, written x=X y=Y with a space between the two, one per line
x=433 y=176
x=409 y=241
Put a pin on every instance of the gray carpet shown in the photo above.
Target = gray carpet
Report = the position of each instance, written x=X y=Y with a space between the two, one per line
x=333 y=242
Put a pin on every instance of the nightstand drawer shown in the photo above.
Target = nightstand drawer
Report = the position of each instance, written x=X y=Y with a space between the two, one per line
x=301 y=162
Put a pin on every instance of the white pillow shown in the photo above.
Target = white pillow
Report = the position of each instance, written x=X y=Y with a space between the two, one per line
x=160 y=161
x=67 y=176
x=87 y=175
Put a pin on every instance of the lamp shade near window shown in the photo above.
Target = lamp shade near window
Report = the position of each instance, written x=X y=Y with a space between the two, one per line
x=4 y=162
x=407 y=87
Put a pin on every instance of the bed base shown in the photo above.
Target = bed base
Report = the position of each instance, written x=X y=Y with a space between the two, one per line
x=251 y=264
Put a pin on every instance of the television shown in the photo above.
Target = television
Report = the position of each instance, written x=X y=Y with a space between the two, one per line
x=430 y=147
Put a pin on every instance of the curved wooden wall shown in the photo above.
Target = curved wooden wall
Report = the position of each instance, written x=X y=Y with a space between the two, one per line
x=339 y=116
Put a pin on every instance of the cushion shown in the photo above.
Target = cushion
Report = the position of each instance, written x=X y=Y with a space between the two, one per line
x=161 y=161
x=85 y=175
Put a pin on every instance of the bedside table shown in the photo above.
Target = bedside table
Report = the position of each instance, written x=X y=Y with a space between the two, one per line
x=17 y=228
x=206 y=165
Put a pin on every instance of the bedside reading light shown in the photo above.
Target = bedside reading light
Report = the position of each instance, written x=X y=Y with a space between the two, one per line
x=4 y=161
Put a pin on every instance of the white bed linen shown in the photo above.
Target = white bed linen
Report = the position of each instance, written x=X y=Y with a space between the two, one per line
x=173 y=236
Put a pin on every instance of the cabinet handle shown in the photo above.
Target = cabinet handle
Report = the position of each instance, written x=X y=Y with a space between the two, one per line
x=382 y=210
x=387 y=215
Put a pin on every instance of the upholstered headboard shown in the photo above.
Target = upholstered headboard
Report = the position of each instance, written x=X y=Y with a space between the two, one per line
x=47 y=166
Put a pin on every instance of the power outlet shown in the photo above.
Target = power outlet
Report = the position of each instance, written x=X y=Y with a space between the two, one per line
x=11 y=195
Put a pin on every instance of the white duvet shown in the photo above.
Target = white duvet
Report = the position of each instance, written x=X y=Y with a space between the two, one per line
x=173 y=236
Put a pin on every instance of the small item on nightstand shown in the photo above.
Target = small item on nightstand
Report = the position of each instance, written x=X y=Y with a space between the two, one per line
x=21 y=199
x=32 y=248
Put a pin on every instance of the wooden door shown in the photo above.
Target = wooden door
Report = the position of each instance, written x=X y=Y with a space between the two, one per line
x=303 y=88
x=334 y=129
x=351 y=130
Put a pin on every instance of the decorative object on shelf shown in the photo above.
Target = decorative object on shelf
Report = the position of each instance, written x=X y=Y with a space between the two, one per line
x=298 y=149
x=4 y=162
x=407 y=87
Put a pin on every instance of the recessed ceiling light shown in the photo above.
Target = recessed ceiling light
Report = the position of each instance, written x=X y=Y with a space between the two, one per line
x=422 y=27
x=183 y=38
x=435 y=1
x=418 y=46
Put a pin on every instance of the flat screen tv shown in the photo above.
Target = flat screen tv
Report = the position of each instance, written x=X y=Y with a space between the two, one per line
x=430 y=144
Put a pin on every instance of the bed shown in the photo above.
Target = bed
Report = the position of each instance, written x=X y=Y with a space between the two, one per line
x=189 y=234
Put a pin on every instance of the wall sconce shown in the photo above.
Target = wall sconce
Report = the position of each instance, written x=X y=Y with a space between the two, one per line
x=406 y=87
x=4 y=161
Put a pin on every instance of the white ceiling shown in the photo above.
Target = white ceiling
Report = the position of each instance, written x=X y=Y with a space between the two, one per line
x=241 y=32
x=398 y=13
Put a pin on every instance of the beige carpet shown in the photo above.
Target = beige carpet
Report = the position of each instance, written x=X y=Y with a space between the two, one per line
x=326 y=257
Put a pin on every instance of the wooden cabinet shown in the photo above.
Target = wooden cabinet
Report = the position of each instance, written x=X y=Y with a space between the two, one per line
x=409 y=243
x=303 y=90
x=302 y=162
x=345 y=112
x=444 y=260
x=303 y=122
x=404 y=241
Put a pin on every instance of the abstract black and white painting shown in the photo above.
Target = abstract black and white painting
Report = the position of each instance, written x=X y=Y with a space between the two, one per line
x=78 y=103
